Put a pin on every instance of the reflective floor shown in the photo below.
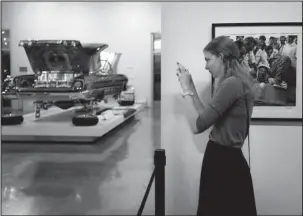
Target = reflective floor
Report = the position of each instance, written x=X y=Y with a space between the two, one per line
x=106 y=178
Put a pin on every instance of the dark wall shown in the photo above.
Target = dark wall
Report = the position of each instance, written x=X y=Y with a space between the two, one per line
x=5 y=66
x=5 y=61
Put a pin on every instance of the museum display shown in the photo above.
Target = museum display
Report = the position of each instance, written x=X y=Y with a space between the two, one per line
x=272 y=53
x=68 y=74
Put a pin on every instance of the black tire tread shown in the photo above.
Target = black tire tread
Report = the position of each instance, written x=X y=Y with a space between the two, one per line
x=12 y=120
x=85 y=120
x=126 y=103
x=129 y=112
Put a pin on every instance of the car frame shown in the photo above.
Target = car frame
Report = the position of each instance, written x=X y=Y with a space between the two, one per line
x=66 y=73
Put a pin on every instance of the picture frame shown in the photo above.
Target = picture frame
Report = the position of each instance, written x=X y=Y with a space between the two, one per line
x=277 y=97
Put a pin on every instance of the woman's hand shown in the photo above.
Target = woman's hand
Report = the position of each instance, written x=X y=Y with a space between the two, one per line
x=185 y=79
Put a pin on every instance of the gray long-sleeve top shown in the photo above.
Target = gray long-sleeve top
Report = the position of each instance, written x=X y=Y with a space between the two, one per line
x=227 y=113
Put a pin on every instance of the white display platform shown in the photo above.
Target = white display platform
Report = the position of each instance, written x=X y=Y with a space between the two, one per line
x=55 y=125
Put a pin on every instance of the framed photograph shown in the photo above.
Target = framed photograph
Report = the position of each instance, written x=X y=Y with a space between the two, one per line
x=272 y=53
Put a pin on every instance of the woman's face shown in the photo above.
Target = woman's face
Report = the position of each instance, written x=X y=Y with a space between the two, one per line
x=214 y=64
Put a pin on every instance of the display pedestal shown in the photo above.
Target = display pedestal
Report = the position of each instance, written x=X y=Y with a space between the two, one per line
x=55 y=125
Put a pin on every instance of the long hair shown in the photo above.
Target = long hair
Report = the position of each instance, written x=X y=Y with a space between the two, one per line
x=231 y=60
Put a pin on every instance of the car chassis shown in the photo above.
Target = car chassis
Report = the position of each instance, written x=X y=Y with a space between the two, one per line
x=66 y=74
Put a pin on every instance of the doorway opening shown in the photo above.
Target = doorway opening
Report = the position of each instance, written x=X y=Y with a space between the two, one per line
x=156 y=88
x=156 y=66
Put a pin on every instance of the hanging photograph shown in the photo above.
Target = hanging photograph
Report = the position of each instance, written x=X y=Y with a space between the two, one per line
x=272 y=53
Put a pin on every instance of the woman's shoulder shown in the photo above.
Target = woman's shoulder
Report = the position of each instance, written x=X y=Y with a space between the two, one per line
x=232 y=82
x=237 y=85
x=231 y=85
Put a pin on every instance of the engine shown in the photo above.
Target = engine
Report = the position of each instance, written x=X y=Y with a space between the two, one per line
x=55 y=79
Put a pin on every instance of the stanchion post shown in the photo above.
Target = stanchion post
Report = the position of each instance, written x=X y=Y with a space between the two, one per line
x=160 y=162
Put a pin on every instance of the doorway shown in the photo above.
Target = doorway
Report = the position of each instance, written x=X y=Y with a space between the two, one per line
x=156 y=58
x=156 y=74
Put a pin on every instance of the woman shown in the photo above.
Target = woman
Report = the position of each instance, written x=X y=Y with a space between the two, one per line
x=226 y=185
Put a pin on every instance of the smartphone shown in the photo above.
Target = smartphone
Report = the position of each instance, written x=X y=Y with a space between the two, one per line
x=181 y=67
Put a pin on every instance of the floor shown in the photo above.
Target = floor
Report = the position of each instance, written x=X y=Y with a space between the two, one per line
x=94 y=179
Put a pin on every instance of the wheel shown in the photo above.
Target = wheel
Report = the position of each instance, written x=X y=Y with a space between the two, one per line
x=127 y=98
x=126 y=103
x=85 y=120
x=11 y=119
x=129 y=112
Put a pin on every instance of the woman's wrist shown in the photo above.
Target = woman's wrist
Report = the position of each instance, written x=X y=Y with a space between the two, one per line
x=186 y=90
x=189 y=89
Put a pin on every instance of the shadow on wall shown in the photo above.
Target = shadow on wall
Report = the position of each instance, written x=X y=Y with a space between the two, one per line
x=204 y=88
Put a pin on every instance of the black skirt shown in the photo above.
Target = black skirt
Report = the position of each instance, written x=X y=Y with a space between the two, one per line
x=226 y=186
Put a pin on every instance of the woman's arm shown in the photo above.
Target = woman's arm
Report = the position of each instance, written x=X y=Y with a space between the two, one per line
x=193 y=105
x=197 y=103
x=193 y=108
x=201 y=117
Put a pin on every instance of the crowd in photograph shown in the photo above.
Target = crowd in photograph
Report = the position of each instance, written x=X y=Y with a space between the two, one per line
x=270 y=59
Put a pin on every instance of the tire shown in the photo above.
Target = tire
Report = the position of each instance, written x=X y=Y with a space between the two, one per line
x=129 y=112
x=85 y=120
x=12 y=120
x=126 y=103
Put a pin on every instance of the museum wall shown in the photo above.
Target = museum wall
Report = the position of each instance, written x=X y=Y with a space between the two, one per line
x=125 y=27
x=276 y=149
